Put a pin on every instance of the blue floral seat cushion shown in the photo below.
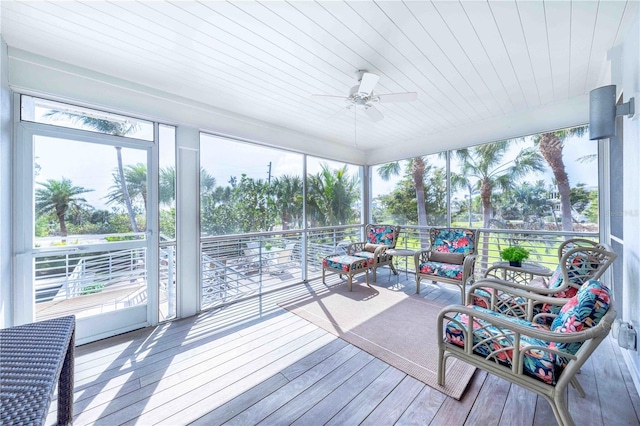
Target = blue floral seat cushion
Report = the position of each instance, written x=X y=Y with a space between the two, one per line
x=445 y=270
x=584 y=310
x=452 y=240
x=365 y=254
x=579 y=269
x=490 y=341
x=381 y=235
x=342 y=262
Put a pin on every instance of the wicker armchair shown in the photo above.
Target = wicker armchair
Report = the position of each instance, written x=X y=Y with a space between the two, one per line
x=450 y=258
x=579 y=261
x=379 y=238
x=518 y=348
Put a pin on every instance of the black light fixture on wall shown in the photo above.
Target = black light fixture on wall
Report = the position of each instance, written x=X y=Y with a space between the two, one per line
x=603 y=112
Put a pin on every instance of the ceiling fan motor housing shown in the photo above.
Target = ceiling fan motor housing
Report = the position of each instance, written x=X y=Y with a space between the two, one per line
x=360 y=99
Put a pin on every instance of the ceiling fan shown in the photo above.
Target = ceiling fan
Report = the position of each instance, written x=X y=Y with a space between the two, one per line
x=362 y=95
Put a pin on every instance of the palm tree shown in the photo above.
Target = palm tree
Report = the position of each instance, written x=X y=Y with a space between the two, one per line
x=167 y=185
x=109 y=127
x=529 y=203
x=417 y=165
x=135 y=177
x=551 y=145
x=331 y=195
x=485 y=163
x=207 y=182
x=457 y=182
x=59 y=197
x=288 y=192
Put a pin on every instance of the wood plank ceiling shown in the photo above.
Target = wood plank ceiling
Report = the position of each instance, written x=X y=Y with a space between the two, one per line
x=468 y=61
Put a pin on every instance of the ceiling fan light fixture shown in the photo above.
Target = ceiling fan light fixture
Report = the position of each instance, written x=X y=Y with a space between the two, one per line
x=362 y=95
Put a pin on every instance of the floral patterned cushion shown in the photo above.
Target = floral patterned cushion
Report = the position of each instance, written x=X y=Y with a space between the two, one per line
x=342 y=262
x=452 y=240
x=488 y=341
x=583 y=310
x=445 y=270
x=381 y=235
x=580 y=268
x=556 y=279
x=365 y=254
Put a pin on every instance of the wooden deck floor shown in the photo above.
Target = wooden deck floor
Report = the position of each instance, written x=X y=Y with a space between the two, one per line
x=254 y=362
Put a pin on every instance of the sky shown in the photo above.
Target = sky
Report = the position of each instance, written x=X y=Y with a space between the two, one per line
x=91 y=166
x=574 y=148
x=223 y=158
x=87 y=165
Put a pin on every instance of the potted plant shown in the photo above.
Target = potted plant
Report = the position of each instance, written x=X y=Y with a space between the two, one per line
x=515 y=255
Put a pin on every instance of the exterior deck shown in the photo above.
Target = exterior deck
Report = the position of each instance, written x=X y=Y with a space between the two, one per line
x=253 y=362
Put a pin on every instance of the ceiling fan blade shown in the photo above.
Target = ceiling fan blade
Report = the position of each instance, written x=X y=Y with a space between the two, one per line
x=330 y=97
x=368 y=83
x=374 y=114
x=398 y=97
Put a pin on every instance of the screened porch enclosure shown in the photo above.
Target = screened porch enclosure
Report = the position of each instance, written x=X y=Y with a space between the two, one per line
x=267 y=216
x=236 y=267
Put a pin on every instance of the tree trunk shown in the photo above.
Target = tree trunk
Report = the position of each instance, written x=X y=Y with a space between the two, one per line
x=285 y=221
x=470 y=203
x=555 y=219
x=551 y=149
x=417 y=171
x=487 y=213
x=63 y=224
x=485 y=195
x=125 y=191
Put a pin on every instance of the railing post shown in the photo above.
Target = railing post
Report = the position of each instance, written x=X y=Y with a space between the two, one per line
x=82 y=274
x=303 y=255
x=66 y=273
x=171 y=308
x=260 y=264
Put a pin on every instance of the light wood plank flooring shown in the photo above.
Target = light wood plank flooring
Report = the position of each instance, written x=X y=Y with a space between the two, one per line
x=255 y=363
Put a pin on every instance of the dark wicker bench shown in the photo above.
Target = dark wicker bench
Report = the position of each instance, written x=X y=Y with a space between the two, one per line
x=33 y=359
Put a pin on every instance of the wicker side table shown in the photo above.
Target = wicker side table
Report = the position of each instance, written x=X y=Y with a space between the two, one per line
x=519 y=274
x=401 y=253
x=33 y=359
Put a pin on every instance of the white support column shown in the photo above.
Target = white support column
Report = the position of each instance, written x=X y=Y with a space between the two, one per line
x=153 y=253
x=5 y=189
x=188 y=221
x=365 y=181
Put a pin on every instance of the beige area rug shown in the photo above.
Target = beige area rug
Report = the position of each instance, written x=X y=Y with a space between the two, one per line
x=390 y=325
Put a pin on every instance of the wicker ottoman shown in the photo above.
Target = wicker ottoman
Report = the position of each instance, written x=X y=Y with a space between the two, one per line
x=346 y=265
x=34 y=358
